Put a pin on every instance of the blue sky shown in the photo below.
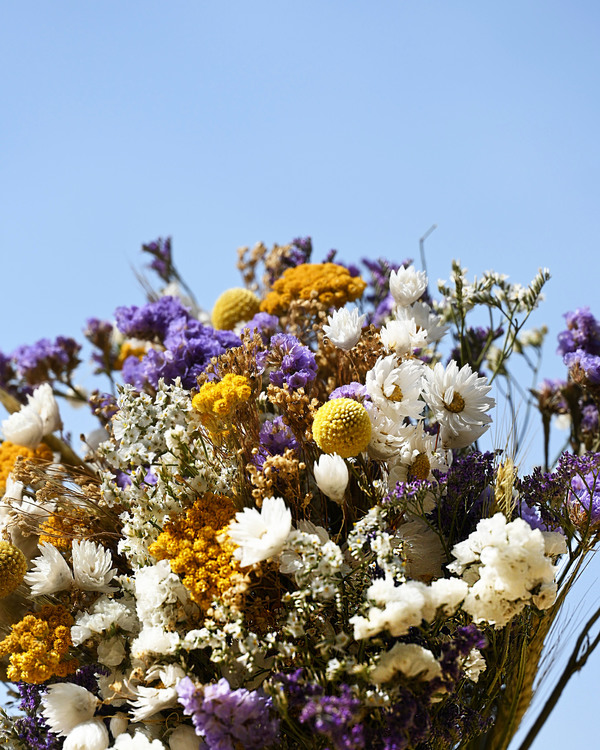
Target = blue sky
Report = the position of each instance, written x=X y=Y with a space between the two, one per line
x=360 y=124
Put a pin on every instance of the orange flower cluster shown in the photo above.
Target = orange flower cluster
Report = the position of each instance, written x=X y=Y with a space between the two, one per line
x=62 y=527
x=217 y=400
x=37 y=646
x=9 y=452
x=192 y=543
x=332 y=283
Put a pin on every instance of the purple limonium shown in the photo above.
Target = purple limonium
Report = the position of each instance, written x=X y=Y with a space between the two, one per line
x=162 y=255
x=293 y=363
x=337 y=717
x=229 y=719
x=151 y=321
x=47 y=360
x=275 y=437
x=265 y=324
x=589 y=419
x=583 y=332
x=584 y=496
x=32 y=729
x=354 y=390
x=584 y=368
x=533 y=517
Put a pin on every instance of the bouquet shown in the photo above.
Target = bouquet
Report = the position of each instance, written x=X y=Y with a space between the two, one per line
x=283 y=532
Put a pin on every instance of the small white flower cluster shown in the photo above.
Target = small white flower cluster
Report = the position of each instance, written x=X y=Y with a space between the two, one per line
x=315 y=562
x=507 y=566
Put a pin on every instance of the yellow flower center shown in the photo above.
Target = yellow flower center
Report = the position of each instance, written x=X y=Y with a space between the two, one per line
x=456 y=405
x=420 y=467
x=396 y=394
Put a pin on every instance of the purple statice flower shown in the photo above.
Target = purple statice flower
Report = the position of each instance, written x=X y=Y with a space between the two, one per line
x=533 y=516
x=589 y=419
x=275 y=437
x=47 y=360
x=293 y=363
x=337 y=718
x=188 y=344
x=162 y=256
x=100 y=335
x=353 y=390
x=301 y=251
x=582 y=332
x=32 y=729
x=405 y=724
x=550 y=395
x=584 y=368
x=468 y=494
x=584 y=495
x=8 y=379
x=265 y=324
x=229 y=719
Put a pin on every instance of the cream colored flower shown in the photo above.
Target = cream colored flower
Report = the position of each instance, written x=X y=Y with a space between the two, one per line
x=50 y=573
x=66 y=705
x=344 y=328
x=395 y=387
x=407 y=285
x=260 y=534
x=92 y=566
x=331 y=475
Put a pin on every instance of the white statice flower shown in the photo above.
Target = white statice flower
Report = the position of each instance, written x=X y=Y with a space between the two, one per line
x=66 y=705
x=402 y=337
x=92 y=566
x=315 y=562
x=407 y=285
x=160 y=595
x=425 y=319
x=370 y=535
x=395 y=387
x=50 y=572
x=34 y=420
x=344 y=328
x=507 y=568
x=105 y=615
x=410 y=659
x=184 y=737
x=260 y=534
x=154 y=640
x=139 y=741
x=474 y=665
x=89 y=735
x=407 y=605
x=152 y=700
x=331 y=475
x=459 y=402
x=417 y=458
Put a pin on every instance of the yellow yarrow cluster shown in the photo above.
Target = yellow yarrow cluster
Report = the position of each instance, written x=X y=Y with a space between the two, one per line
x=62 y=527
x=234 y=306
x=334 y=286
x=13 y=566
x=191 y=543
x=342 y=426
x=37 y=646
x=217 y=400
x=9 y=452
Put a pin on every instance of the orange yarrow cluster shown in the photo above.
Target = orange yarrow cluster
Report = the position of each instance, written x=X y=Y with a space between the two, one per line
x=333 y=284
x=37 y=646
x=216 y=401
x=9 y=452
x=195 y=545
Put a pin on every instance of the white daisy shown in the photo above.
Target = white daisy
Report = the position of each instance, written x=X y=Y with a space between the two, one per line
x=402 y=337
x=418 y=457
x=331 y=475
x=407 y=285
x=425 y=319
x=260 y=534
x=395 y=388
x=92 y=566
x=459 y=401
x=66 y=705
x=89 y=735
x=50 y=572
x=344 y=328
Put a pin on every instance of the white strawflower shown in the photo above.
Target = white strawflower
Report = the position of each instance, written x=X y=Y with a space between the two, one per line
x=424 y=318
x=344 y=328
x=24 y=427
x=407 y=285
x=90 y=735
x=66 y=705
x=331 y=475
x=403 y=337
x=36 y=419
x=417 y=457
x=50 y=572
x=459 y=401
x=184 y=738
x=396 y=387
x=410 y=659
x=260 y=534
x=387 y=435
x=154 y=640
x=92 y=566
x=139 y=741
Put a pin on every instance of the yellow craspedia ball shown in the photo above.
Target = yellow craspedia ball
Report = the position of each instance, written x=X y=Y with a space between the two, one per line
x=342 y=426
x=234 y=306
x=13 y=566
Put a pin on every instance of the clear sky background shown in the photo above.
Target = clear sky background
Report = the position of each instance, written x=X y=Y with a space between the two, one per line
x=358 y=123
